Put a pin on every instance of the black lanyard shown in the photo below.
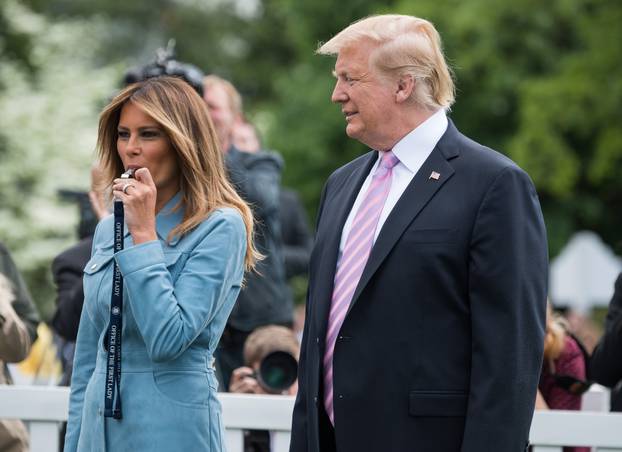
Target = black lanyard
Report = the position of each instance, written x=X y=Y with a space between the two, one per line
x=113 y=335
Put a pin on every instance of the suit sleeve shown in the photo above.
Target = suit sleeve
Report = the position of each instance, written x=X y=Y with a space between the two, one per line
x=605 y=365
x=171 y=315
x=299 y=436
x=508 y=271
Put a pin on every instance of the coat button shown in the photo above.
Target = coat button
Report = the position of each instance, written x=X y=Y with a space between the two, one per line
x=341 y=396
x=315 y=400
x=317 y=340
x=93 y=267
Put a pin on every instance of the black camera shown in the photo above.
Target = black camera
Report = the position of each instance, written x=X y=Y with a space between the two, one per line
x=166 y=64
x=277 y=372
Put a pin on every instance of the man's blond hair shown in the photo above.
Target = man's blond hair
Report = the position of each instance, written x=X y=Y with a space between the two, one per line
x=405 y=46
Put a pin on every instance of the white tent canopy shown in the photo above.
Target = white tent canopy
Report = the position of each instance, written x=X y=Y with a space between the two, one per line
x=582 y=275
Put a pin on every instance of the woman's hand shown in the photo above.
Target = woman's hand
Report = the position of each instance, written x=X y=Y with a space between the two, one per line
x=139 y=200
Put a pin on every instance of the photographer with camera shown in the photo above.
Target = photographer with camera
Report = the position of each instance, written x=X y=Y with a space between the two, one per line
x=271 y=357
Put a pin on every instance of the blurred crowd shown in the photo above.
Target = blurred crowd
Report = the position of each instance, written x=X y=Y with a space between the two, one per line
x=259 y=349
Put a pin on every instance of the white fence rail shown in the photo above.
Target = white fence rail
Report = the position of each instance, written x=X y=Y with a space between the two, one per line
x=42 y=408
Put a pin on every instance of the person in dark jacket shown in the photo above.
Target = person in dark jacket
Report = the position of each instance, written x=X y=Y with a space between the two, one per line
x=67 y=270
x=297 y=238
x=265 y=299
x=605 y=366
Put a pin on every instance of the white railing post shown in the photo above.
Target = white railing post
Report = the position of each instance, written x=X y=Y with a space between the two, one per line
x=44 y=436
x=279 y=441
x=596 y=399
x=234 y=439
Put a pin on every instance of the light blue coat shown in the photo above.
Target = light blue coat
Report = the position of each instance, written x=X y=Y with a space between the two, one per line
x=177 y=298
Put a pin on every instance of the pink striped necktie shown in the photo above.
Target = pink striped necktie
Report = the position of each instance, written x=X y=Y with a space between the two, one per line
x=352 y=262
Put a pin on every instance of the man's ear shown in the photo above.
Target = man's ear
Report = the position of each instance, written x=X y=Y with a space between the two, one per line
x=404 y=88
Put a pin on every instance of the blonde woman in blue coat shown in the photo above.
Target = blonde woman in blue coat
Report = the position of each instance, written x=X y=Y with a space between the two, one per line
x=187 y=243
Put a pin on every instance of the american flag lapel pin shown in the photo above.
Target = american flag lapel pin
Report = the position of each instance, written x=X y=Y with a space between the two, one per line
x=434 y=175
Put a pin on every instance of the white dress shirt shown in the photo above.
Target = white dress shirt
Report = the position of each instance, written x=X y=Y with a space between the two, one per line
x=412 y=151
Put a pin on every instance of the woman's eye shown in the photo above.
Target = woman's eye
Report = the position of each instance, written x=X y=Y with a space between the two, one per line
x=123 y=134
x=150 y=134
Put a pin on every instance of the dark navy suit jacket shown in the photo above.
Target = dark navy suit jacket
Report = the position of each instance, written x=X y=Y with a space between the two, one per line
x=441 y=348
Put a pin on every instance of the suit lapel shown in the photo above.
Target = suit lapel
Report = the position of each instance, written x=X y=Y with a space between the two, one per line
x=337 y=206
x=418 y=193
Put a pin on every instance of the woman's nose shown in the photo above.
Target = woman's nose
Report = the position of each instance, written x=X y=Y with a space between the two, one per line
x=133 y=145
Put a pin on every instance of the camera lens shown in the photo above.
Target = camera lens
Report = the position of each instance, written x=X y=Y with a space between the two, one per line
x=278 y=371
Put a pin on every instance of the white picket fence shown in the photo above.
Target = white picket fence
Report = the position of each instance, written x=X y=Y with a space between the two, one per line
x=42 y=408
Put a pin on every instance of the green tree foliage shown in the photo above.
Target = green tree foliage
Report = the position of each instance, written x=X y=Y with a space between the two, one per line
x=539 y=81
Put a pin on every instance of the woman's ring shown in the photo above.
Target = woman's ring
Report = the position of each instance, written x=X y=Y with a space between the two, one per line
x=125 y=187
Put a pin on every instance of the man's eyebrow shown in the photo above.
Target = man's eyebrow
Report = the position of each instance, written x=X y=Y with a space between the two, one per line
x=340 y=73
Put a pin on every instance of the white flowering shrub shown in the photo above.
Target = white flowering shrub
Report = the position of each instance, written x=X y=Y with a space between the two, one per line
x=48 y=128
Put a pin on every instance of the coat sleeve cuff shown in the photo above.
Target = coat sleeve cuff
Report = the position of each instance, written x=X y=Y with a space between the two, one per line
x=139 y=257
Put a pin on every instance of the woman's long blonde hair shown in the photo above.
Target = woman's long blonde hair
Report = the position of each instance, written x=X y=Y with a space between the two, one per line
x=183 y=115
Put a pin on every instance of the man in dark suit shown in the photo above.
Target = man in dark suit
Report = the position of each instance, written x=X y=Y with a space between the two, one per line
x=427 y=293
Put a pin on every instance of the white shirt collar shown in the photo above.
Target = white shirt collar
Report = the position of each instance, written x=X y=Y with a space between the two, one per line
x=421 y=140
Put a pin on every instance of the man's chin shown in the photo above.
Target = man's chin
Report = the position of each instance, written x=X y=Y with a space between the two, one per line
x=353 y=131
